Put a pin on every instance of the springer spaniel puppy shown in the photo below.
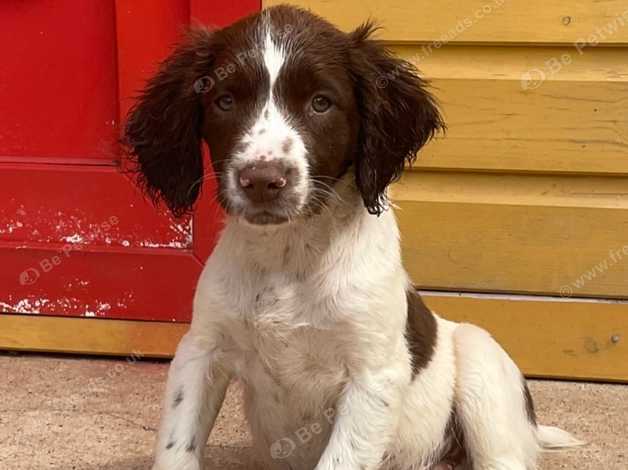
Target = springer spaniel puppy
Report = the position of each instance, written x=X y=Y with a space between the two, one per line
x=305 y=299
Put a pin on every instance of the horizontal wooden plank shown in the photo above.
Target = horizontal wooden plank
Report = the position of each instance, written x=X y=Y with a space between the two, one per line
x=465 y=62
x=552 y=191
x=512 y=109
x=515 y=233
x=90 y=336
x=83 y=206
x=138 y=284
x=501 y=21
x=547 y=337
x=570 y=339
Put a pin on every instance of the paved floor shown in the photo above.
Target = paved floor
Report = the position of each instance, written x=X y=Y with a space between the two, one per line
x=85 y=414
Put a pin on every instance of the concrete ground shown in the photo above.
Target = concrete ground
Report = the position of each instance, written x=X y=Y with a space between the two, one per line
x=101 y=414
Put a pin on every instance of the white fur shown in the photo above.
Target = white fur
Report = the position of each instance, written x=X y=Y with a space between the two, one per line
x=274 y=57
x=490 y=403
x=311 y=316
x=554 y=439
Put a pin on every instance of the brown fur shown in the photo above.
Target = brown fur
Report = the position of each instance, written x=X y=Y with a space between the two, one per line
x=421 y=330
x=377 y=129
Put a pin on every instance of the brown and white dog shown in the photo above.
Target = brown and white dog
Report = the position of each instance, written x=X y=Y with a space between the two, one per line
x=305 y=299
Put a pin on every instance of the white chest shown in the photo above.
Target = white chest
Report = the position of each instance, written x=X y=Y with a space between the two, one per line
x=300 y=314
x=282 y=334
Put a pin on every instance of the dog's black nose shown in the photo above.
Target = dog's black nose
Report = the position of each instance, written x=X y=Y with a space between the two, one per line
x=263 y=181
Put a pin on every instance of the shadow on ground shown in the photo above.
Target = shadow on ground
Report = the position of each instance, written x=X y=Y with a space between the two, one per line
x=217 y=458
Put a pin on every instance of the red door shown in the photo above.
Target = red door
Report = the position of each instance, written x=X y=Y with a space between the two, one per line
x=76 y=236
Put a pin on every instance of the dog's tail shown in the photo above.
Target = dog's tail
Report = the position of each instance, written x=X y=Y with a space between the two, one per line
x=553 y=439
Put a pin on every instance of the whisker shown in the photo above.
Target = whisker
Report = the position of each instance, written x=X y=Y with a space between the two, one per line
x=208 y=177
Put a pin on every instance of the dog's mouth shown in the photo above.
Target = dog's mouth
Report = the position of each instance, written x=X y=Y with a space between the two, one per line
x=265 y=217
x=263 y=214
x=285 y=210
x=278 y=212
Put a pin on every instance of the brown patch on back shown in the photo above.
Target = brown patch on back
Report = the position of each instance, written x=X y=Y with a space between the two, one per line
x=421 y=329
x=529 y=402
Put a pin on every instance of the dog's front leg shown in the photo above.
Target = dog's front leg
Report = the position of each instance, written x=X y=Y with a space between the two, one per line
x=366 y=418
x=196 y=389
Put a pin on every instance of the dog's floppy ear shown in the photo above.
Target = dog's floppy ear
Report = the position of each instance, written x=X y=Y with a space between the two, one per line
x=163 y=130
x=398 y=116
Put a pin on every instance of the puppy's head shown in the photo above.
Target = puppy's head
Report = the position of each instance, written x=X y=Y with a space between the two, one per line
x=287 y=104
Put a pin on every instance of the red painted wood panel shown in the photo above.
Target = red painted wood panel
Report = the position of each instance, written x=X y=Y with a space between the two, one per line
x=58 y=81
x=218 y=13
x=142 y=48
x=61 y=205
x=76 y=236
x=80 y=281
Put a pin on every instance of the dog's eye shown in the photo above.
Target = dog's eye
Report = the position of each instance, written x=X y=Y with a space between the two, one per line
x=225 y=102
x=321 y=104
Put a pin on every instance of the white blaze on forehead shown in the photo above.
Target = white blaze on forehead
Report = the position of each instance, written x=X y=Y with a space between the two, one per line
x=274 y=58
x=268 y=137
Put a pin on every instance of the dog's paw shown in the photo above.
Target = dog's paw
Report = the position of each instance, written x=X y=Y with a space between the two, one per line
x=187 y=464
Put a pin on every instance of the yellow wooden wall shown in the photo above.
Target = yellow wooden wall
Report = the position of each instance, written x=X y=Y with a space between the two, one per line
x=519 y=216
x=518 y=219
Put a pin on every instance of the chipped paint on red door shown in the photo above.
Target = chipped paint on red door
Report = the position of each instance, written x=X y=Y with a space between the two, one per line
x=76 y=236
